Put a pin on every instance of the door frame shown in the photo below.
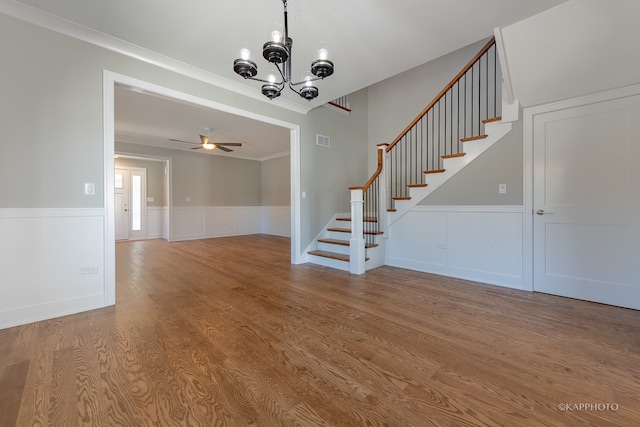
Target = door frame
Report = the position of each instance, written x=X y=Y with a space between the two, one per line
x=109 y=80
x=529 y=115
x=168 y=167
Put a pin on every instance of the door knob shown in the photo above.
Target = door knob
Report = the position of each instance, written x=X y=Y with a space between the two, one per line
x=542 y=212
x=126 y=210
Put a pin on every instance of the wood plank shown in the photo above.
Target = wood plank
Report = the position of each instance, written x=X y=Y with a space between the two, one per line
x=11 y=388
x=451 y=156
x=345 y=243
x=434 y=171
x=365 y=219
x=348 y=230
x=200 y=336
x=473 y=138
x=492 y=119
x=332 y=255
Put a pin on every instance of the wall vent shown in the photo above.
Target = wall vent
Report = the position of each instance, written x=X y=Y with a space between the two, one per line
x=322 y=140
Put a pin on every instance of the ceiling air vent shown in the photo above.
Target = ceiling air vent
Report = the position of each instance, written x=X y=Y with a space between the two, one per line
x=322 y=140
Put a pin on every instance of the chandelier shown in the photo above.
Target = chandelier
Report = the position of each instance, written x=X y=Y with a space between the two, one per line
x=278 y=51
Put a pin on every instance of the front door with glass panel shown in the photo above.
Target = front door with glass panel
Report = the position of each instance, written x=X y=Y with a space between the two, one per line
x=130 y=203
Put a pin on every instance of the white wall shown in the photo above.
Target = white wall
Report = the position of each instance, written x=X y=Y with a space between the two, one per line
x=576 y=48
x=201 y=222
x=479 y=243
x=42 y=256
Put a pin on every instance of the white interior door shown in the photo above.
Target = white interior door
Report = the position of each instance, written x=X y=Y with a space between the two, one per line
x=121 y=200
x=586 y=222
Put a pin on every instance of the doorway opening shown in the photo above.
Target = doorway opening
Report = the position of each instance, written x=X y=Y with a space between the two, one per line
x=110 y=81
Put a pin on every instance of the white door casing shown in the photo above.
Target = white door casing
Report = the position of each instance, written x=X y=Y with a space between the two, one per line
x=586 y=201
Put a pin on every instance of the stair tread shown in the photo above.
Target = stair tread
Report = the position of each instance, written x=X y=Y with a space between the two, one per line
x=416 y=185
x=345 y=243
x=435 y=171
x=451 y=156
x=332 y=255
x=492 y=119
x=473 y=138
x=348 y=230
x=365 y=219
x=402 y=198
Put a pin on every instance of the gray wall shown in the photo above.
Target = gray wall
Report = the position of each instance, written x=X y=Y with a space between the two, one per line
x=477 y=183
x=276 y=181
x=327 y=173
x=51 y=131
x=208 y=180
x=156 y=182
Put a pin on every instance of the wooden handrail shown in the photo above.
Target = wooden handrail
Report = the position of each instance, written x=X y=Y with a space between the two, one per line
x=342 y=107
x=443 y=92
x=376 y=173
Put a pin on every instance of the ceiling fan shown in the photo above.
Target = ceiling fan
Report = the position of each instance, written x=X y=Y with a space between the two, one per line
x=210 y=145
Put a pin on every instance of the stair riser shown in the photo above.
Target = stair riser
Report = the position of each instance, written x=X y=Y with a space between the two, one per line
x=329 y=262
x=341 y=249
x=338 y=235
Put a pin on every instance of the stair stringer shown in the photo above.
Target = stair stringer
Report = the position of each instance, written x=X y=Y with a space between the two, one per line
x=375 y=255
x=472 y=149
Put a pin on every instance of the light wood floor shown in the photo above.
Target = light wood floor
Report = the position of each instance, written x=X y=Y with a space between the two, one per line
x=226 y=332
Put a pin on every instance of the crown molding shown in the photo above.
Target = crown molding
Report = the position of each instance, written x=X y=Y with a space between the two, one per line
x=52 y=22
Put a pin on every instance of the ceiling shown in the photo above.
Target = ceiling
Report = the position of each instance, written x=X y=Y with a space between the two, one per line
x=370 y=40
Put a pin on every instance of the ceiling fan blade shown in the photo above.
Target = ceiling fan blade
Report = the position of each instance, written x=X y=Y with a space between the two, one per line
x=188 y=142
x=196 y=148
x=225 y=149
x=230 y=144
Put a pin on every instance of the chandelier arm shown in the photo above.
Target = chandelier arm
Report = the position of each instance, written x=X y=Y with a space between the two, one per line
x=282 y=73
x=313 y=79
x=294 y=89
x=262 y=80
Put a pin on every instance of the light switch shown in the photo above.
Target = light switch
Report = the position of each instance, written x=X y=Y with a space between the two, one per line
x=502 y=188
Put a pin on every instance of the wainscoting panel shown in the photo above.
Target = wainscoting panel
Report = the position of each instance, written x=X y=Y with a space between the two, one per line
x=479 y=243
x=51 y=263
x=276 y=220
x=218 y=221
x=157 y=222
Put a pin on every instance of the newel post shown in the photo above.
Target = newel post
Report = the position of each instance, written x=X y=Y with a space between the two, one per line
x=356 y=244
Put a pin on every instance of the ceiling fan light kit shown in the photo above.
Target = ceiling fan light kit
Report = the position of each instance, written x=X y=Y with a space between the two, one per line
x=209 y=145
x=278 y=51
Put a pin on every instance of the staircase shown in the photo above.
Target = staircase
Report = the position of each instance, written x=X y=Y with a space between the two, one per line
x=460 y=123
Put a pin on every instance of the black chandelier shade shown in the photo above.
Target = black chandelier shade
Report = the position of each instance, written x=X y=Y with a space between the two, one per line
x=278 y=51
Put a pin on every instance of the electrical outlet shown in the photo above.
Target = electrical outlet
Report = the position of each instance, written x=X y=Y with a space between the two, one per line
x=93 y=269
